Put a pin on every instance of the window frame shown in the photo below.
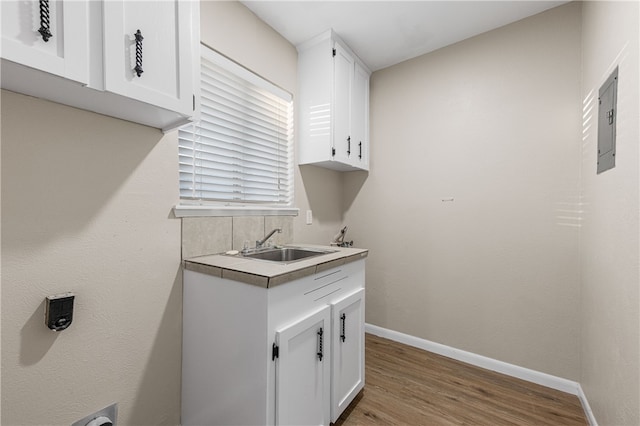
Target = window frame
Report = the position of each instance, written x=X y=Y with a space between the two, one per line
x=210 y=207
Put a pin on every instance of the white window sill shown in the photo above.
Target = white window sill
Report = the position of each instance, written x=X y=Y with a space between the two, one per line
x=182 y=210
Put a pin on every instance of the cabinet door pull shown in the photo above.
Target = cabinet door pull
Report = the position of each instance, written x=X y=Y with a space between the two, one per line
x=343 y=335
x=360 y=155
x=138 y=69
x=349 y=146
x=320 y=351
x=44 y=30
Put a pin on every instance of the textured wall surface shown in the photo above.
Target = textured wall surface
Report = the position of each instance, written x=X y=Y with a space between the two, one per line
x=610 y=234
x=86 y=208
x=493 y=123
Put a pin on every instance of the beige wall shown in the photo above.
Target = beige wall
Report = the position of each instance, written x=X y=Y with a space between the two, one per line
x=491 y=122
x=86 y=207
x=494 y=122
x=610 y=232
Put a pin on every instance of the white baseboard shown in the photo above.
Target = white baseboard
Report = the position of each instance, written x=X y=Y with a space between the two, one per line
x=586 y=407
x=527 y=374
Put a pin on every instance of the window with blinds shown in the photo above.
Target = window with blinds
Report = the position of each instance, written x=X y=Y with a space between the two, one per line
x=241 y=149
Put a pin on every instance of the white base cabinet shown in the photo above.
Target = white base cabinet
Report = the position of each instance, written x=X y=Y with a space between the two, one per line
x=91 y=59
x=347 y=317
x=256 y=356
x=303 y=373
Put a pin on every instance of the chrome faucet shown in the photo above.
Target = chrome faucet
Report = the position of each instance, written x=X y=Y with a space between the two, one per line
x=261 y=242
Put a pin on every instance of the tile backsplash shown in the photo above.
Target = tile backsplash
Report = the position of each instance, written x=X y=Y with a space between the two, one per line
x=210 y=235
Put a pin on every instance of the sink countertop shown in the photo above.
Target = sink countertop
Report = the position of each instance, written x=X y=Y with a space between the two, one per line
x=269 y=274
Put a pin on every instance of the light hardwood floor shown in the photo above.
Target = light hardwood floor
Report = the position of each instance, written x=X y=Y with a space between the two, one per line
x=409 y=386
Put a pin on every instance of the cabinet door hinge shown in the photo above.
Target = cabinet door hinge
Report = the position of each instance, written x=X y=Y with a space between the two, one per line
x=333 y=152
x=334 y=52
x=275 y=352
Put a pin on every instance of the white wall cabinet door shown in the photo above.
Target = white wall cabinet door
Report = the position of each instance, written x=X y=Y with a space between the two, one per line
x=343 y=64
x=347 y=361
x=164 y=54
x=64 y=53
x=360 y=118
x=303 y=371
x=334 y=105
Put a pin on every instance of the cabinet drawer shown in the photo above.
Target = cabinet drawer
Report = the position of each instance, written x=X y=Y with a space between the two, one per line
x=326 y=284
x=289 y=302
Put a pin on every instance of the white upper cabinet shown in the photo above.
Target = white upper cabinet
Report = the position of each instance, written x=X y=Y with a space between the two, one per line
x=334 y=105
x=150 y=79
x=343 y=66
x=148 y=52
x=48 y=36
x=360 y=118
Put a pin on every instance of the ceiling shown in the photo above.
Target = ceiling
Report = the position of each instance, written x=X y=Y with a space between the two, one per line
x=384 y=33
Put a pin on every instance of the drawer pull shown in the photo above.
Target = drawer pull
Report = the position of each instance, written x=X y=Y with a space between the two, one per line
x=138 y=69
x=45 y=29
x=320 y=351
x=343 y=319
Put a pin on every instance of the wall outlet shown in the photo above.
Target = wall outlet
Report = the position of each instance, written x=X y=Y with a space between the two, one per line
x=309 y=217
x=104 y=417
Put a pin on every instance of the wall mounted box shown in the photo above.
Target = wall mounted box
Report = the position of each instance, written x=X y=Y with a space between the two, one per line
x=607 y=114
x=58 y=311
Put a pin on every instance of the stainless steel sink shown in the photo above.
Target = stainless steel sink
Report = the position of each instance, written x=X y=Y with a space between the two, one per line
x=286 y=254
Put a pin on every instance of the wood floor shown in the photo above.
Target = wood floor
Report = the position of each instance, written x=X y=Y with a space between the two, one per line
x=409 y=386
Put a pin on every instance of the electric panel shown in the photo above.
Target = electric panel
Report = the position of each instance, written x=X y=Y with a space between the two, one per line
x=607 y=114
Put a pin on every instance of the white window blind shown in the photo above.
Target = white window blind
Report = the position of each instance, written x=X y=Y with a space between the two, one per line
x=241 y=149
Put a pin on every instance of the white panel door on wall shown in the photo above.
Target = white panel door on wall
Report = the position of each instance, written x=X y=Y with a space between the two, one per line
x=65 y=51
x=360 y=118
x=163 y=53
x=343 y=83
x=303 y=371
x=347 y=361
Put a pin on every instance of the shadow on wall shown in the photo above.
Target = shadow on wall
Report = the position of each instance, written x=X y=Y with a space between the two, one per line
x=325 y=190
x=72 y=169
x=352 y=183
x=35 y=338
x=320 y=185
x=163 y=370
